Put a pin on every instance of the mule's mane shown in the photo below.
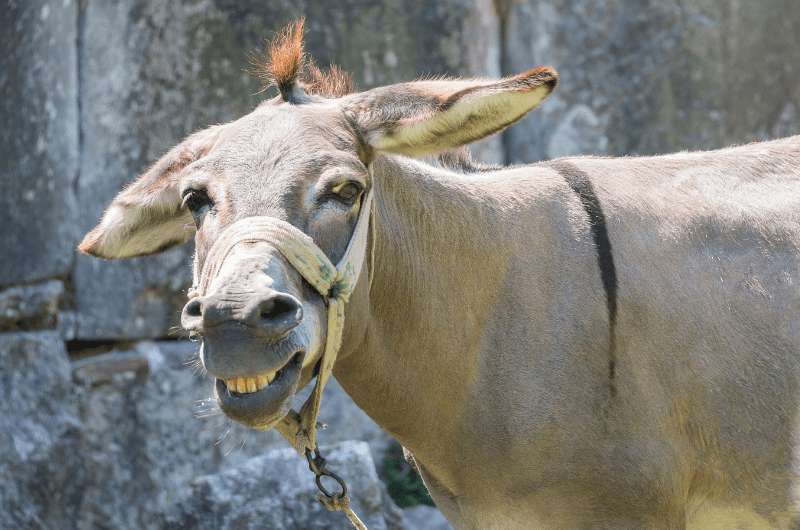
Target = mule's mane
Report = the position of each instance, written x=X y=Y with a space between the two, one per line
x=461 y=161
x=285 y=65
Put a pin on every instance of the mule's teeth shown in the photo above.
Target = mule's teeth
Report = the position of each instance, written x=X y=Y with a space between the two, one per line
x=248 y=385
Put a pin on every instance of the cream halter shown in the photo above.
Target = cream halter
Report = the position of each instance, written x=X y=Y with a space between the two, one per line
x=334 y=284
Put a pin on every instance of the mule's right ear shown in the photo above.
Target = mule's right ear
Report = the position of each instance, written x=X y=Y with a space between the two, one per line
x=147 y=216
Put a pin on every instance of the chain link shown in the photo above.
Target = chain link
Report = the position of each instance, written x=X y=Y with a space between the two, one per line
x=319 y=466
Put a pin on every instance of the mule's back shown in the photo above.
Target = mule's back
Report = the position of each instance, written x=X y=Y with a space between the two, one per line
x=706 y=248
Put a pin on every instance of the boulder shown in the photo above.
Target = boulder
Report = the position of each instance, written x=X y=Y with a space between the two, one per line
x=39 y=139
x=277 y=491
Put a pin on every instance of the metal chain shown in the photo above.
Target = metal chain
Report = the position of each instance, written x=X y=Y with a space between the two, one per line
x=338 y=501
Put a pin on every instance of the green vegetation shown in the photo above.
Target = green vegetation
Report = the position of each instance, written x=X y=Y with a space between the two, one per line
x=402 y=480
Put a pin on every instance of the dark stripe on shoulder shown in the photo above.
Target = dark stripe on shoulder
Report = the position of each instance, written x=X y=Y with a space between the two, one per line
x=579 y=181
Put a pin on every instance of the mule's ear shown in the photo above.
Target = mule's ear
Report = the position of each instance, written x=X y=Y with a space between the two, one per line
x=147 y=216
x=426 y=117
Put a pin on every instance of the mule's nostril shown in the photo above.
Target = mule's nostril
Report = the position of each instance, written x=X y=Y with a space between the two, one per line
x=280 y=307
x=192 y=315
x=194 y=308
x=276 y=314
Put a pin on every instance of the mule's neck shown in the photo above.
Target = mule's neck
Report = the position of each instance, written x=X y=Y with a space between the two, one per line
x=438 y=266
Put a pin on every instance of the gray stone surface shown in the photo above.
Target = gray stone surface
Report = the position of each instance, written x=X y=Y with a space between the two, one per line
x=154 y=71
x=425 y=518
x=641 y=77
x=31 y=306
x=39 y=433
x=277 y=491
x=38 y=138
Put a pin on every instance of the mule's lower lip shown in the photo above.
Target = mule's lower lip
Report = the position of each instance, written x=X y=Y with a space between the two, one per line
x=264 y=407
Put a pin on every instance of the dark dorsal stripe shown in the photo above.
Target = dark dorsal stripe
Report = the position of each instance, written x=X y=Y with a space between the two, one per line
x=579 y=181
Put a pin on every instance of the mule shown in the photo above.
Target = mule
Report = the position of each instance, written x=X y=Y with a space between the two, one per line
x=606 y=343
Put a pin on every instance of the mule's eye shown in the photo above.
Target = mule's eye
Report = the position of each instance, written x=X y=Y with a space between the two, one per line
x=198 y=202
x=348 y=192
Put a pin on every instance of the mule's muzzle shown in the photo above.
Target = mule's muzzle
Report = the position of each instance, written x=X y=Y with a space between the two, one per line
x=250 y=348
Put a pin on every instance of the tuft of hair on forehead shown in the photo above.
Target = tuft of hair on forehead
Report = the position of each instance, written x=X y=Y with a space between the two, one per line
x=286 y=66
x=331 y=83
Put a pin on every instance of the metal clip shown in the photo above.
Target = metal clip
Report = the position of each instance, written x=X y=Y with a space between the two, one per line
x=319 y=466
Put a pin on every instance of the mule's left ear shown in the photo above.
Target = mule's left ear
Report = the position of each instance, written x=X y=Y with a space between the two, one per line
x=147 y=216
x=426 y=117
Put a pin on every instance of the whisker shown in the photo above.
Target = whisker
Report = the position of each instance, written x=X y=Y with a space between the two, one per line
x=221 y=439
x=194 y=363
x=176 y=331
x=206 y=408
x=231 y=445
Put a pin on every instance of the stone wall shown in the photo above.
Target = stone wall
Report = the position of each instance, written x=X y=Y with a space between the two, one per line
x=97 y=424
x=655 y=76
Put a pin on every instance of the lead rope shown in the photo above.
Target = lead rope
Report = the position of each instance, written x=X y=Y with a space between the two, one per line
x=334 y=284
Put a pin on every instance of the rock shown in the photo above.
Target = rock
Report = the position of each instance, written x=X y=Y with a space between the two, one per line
x=39 y=139
x=103 y=368
x=654 y=76
x=392 y=514
x=425 y=518
x=277 y=491
x=30 y=307
x=152 y=72
x=39 y=433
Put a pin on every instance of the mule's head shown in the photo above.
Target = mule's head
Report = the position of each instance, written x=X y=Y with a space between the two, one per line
x=304 y=158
